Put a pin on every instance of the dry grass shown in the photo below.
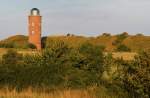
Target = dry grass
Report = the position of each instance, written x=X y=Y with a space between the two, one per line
x=90 y=93
x=135 y=43
x=124 y=55
x=2 y=51
x=138 y=43
x=58 y=94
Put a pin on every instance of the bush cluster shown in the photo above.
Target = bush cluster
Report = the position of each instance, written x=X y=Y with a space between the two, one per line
x=136 y=78
x=58 y=66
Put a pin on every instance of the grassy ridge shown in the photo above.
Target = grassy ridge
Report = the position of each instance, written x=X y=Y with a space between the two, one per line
x=135 y=43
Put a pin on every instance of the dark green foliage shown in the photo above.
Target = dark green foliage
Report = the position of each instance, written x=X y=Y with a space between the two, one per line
x=43 y=42
x=136 y=78
x=123 y=48
x=11 y=57
x=93 y=57
x=31 y=46
x=57 y=66
x=60 y=66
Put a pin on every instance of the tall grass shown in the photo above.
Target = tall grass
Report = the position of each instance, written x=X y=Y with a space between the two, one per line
x=69 y=93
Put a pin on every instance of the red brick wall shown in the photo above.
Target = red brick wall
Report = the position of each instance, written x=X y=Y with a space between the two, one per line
x=35 y=31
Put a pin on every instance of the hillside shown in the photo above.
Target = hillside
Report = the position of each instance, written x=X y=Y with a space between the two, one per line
x=135 y=43
x=17 y=41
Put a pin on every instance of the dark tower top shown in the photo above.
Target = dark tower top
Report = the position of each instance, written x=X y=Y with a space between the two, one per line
x=35 y=12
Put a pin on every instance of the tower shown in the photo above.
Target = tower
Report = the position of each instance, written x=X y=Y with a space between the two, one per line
x=35 y=28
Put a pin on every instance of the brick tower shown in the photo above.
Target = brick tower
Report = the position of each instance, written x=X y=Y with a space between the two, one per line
x=35 y=28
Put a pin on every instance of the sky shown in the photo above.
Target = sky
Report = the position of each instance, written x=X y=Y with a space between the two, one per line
x=79 y=17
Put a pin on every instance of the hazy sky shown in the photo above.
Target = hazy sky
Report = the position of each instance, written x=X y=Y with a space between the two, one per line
x=82 y=17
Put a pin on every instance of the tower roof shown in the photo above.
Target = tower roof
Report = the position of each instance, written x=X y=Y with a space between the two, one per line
x=35 y=11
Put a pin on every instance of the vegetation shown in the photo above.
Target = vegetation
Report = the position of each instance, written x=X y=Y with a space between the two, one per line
x=120 y=38
x=75 y=93
x=136 y=78
x=18 y=41
x=110 y=42
x=123 y=48
x=62 y=67
x=59 y=65
x=85 y=67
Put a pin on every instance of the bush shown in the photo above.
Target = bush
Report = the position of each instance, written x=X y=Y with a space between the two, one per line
x=106 y=34
x=120 y=38
x=136 y=78
x=31 y=46
x=11 y=57
x=123 y=48
x=57 y=66
x=93 y=56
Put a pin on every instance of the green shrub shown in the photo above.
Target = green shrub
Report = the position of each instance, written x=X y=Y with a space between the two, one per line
x=11 y=57
x=31 y=46
x=120 y=38
x=56 y=66
x=123 y=48
x=136 y=78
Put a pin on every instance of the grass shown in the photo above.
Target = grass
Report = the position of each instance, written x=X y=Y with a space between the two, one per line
x=127 y=56
x=138 y=43
x=56 y=94
x=135 y=43
x=70 y=93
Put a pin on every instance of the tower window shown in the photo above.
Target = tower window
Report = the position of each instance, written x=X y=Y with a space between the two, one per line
x=32 y=32
x=32 y=24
